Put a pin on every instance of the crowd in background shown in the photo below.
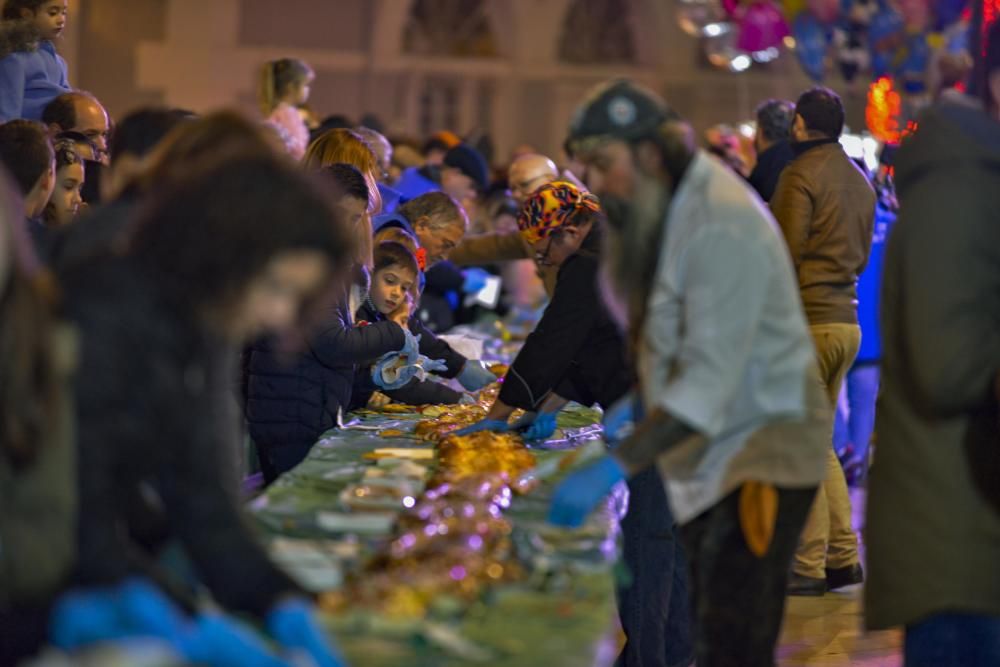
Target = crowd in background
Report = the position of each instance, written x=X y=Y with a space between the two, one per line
x=170 y=280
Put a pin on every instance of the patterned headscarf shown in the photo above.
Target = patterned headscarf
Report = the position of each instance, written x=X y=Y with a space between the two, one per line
x=552 y=207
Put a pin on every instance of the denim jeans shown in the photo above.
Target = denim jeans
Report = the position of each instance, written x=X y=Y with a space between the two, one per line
x=857 y=426
x=655 y=609
x=954 y=640
x=739 y=598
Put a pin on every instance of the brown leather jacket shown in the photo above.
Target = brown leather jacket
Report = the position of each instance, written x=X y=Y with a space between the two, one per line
x=826 y=210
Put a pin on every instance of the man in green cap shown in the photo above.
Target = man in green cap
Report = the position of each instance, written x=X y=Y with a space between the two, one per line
x=732 y=412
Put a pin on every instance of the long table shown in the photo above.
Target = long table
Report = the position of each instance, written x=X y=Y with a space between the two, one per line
x=561 y=613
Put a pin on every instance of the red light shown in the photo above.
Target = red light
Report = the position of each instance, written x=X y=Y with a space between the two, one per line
x=885 y=107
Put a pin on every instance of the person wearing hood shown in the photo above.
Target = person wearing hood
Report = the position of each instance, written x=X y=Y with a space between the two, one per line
x=32 y=74
x=933 y=522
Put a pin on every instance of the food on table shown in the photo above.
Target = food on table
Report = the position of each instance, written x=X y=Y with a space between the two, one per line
x=453 y=542
x=397 y=408
x=379 y=494
x=451 y=419
x=378 y=400
x=483 y=453
x=499 y=370
x=399 y=453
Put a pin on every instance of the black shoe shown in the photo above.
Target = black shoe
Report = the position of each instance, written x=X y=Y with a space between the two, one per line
x=806 y=586
x=844 y=576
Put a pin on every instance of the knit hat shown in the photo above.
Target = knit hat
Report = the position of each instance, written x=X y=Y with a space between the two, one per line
x=552 y=207
x=468 y=160
x=619 y=109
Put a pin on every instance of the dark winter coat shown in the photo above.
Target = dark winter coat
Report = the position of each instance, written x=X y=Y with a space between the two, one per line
x=155 y=409
x=576 y=350
x=416 y=392
x=293 y=401
x=770 y=164
x=934 y=499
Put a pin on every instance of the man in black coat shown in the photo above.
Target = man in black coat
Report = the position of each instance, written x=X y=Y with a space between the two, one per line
x=773 y=145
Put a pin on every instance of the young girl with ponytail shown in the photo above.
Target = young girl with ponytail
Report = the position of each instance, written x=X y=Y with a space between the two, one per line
x=284 y=87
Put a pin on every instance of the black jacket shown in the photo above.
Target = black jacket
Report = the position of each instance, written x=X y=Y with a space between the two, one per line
x=293 y=401
x=155 y=409
x=770 y=164
x=416 y=392
x=576 y=350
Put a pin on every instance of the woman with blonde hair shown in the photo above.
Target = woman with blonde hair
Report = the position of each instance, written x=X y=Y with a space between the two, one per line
x=343 y=146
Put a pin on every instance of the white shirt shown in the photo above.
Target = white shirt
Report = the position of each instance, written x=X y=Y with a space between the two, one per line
x=726 y=349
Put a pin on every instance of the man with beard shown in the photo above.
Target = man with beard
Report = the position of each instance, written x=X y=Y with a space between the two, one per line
x=733 y=413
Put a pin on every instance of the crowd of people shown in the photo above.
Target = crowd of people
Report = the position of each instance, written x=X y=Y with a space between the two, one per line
x=169 y=280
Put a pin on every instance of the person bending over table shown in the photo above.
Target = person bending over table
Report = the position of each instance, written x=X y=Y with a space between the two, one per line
x=577 y=353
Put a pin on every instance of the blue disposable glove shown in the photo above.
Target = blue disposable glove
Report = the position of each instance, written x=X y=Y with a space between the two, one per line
x=475 y=376
x=411 y=346
x=619 y=419
x=137 y=608
x=433 y=365
x=495 y=425
x=86 y=616
x=411 y=352
x=221 y=642
x=403 y=375
x=293 y=624
x=579 y=494
x=475 y=280
x=541 y=428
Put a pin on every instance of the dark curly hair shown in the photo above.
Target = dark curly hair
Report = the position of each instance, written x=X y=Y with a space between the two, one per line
x=822 y=110
x=12 y=8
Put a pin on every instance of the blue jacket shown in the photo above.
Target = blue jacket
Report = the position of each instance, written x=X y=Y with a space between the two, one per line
x=390 y=198
x=294 y=401
x=414 y=182
x=384 y=220
x=869 y=286
x=29 y=80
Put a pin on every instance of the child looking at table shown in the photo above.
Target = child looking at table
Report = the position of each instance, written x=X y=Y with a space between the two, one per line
x=393 y=293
